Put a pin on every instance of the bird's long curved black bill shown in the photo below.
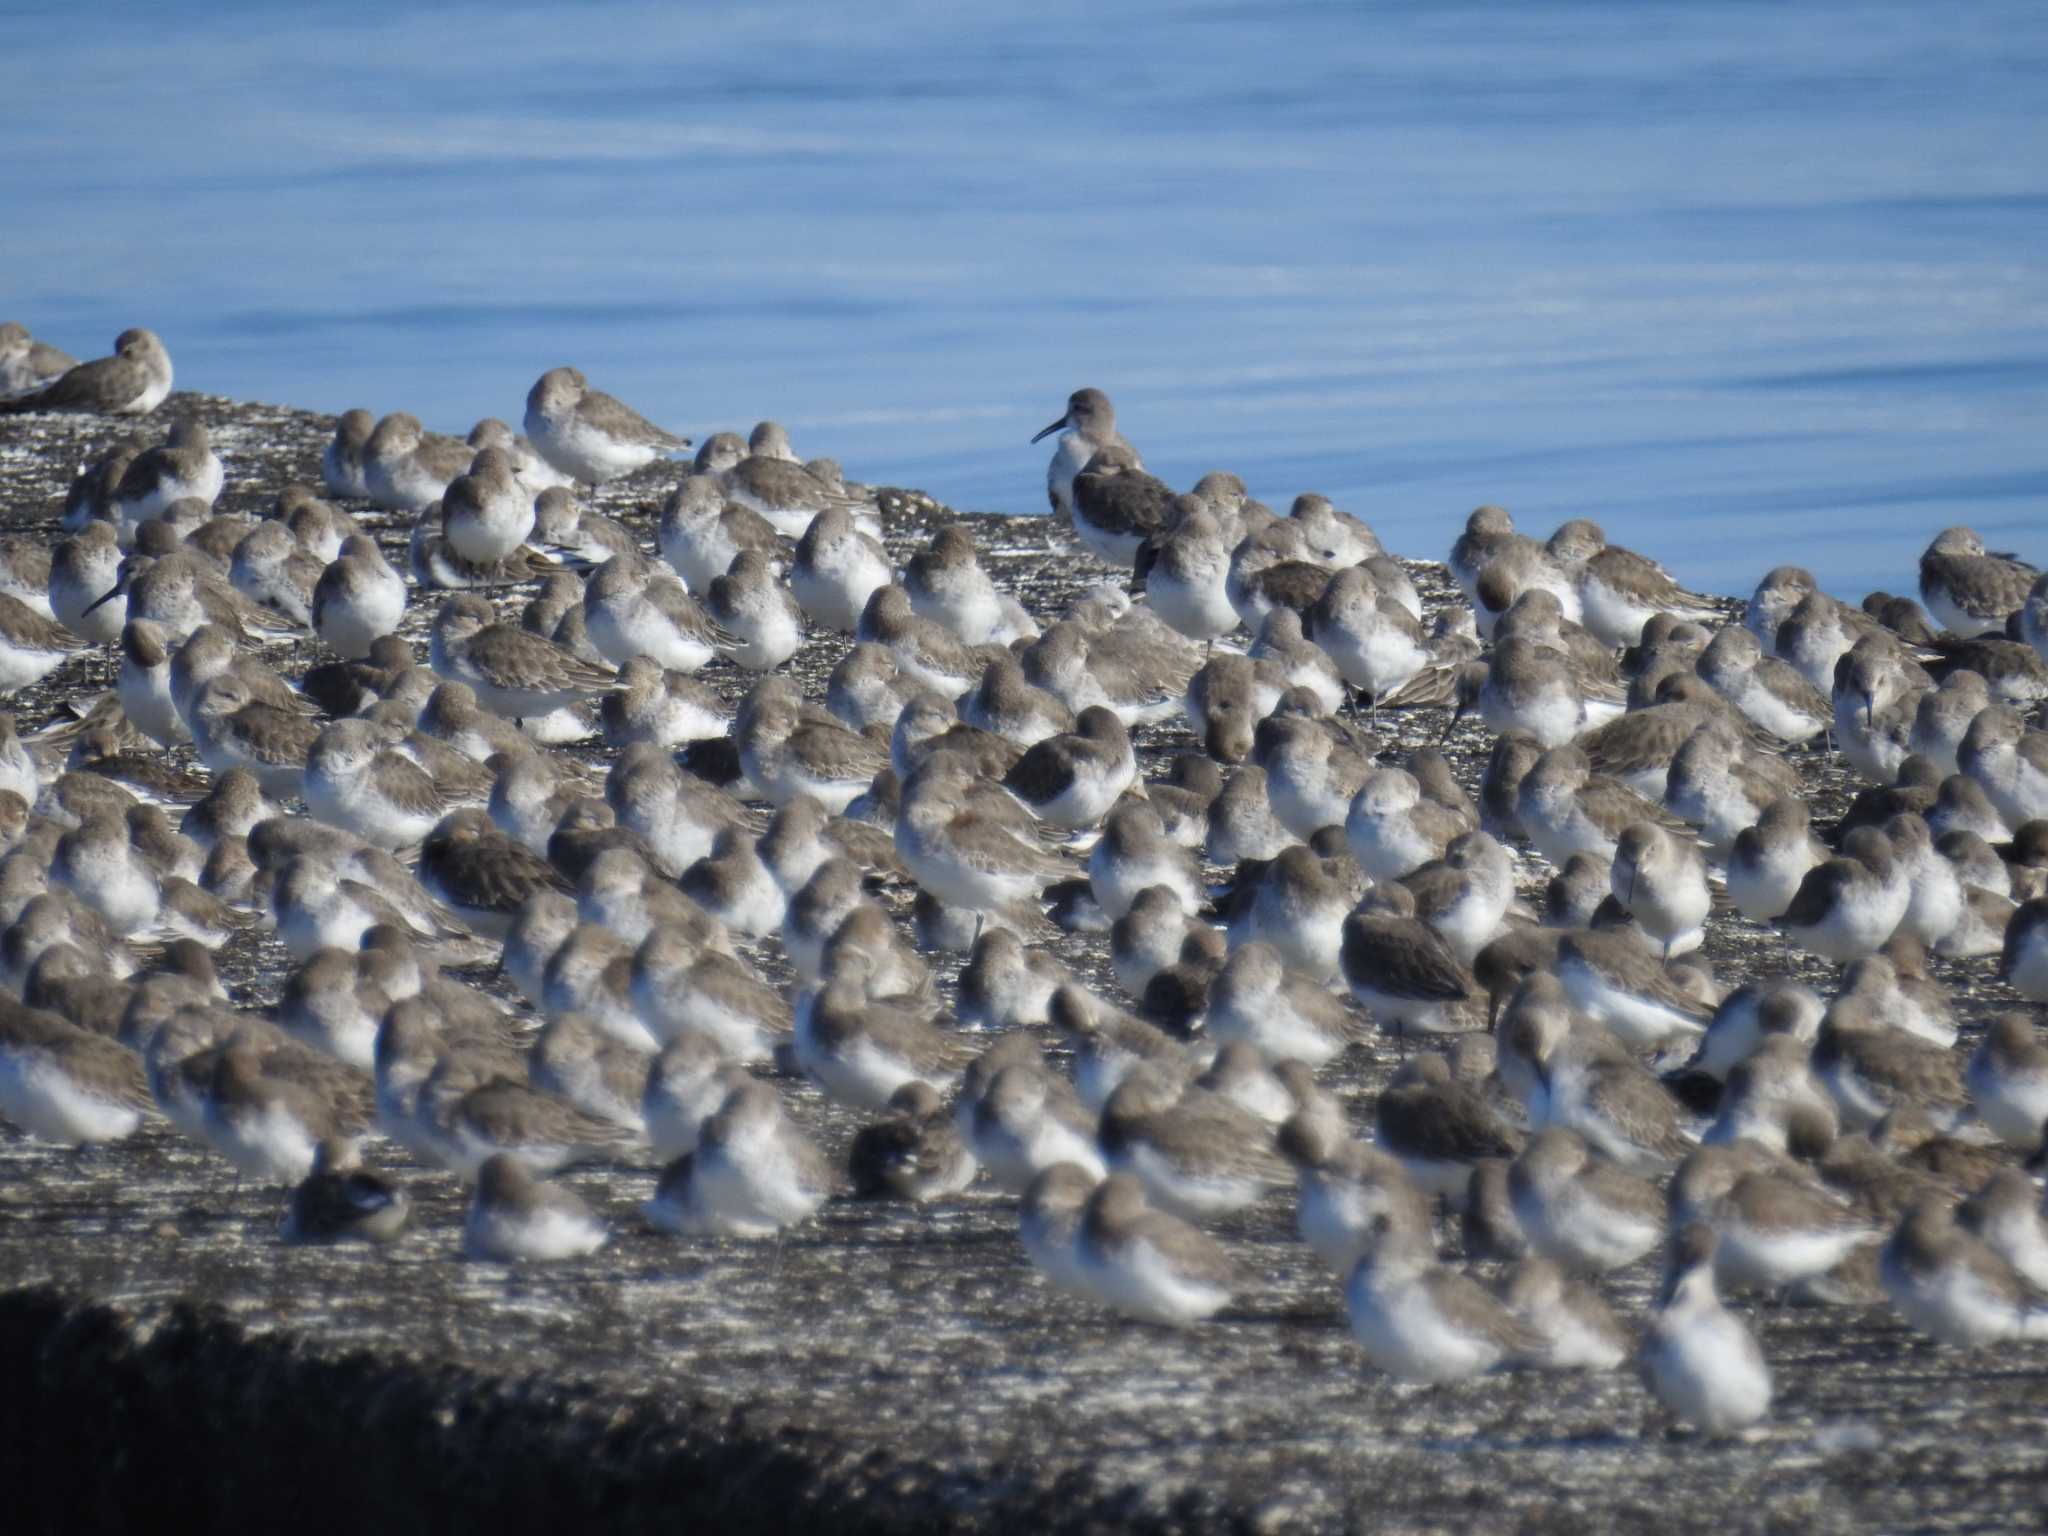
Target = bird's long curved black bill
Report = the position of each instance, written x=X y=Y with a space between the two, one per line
x=1046 y=432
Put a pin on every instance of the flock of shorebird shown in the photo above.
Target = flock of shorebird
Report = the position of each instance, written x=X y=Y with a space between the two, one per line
x=1285 y=887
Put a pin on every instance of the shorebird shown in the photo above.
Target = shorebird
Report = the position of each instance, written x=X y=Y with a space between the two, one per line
x=1117 y=506
x=26 y=364
x=1619 y=590
x=512 y=672
x=1702 y=1363
x=514 y=1216
x=1948 y=1283
x=1147 y=1263
x=586 y=433
x=341 y=1200
x=753 y=1173
x=1578 y=1208
x=1968 y=591
x=133 y=382
x=1403 y=972
x=836 y=568
x=632 y=607
x=1087 y=427
x=182 y=467
x=1025 y=1121
x=1419 y=1320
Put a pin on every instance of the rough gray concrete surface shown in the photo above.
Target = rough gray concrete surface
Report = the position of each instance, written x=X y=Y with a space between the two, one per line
x=879 y=1366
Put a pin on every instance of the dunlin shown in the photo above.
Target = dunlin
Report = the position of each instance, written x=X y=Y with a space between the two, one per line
x=1117 y=505
x=1276 y=566
x=271 y=567
x=1619 y=590
x=85 y=570
x=787 y=495
x=1421 y=1321
x=268 y=1127
x=1072 y=780
x=407 y=468
x=1147 y=1263
x=1133 y=854
x=1257 y=1000
x=1764 y=690
x=1662 y=881
x=133 y=382
x=183 y=466
x=701 y=533
x=1184 y=571
x=32 y=645
x=358 y=599
x=486 y=513
x=1847 y=906
x=576 y=1060
x=1968 y=591
x=68 y=1085
x=836 y=569
x=1579 y=1330
x=962 y=853
x=1531 y=688
x=1393 y=829
x=732 y=884
x=1198 y=1153
x=1377 y=644
x=513 y=673
x=2007 y=1213
x=1820 y=631
x=1704 y=1366
x=1345 y=1184
x=586 y=433
x=632 y=607
x=787 y=749
x=2009 y=762
x=26 y=364
x=2024 y=960
x=681 y=987
x=572 y=533
x=914 y=1153
x=860 y=1052
x=356 y=781
x=1141 y=684
x=514 y=1217
x=2007 y=1078
x=1949 y=1284
x=341 y=461
x=1872 y=1068
x=753 y=1173
x=1049 y=1222
x=1580 y=1210
x=482 y=876
x=946 y=584
x=1403 y=972
x=1775 y=1229
x=1087 y=427
x=749 y=603
x=1024 y=1121
x=1771 y=858
x=685 y=1086
x=1466 y=894
x=341 y=1200
x=1439 y=1128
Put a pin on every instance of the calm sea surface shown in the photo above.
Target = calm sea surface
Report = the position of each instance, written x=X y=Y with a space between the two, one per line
x=1748 y=283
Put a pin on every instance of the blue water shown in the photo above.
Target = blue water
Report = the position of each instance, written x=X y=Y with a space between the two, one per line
x=1748 y=283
